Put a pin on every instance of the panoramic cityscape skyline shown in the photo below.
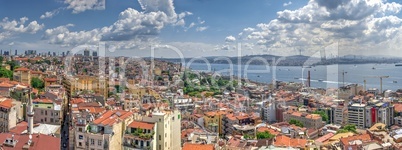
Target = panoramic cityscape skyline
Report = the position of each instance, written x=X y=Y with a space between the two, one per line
x=204 y=27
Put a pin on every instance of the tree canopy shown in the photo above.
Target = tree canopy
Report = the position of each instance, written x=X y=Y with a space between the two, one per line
x=347 y=128
x=323 y=115
x=37 y=83
x=6 y=73
x=296 y=123
x=264 y=135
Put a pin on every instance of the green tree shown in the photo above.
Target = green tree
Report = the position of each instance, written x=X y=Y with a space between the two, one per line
x=264 y=135
x=1 y=60
x=37 y=83
x=323 y=115
x=347 y=128
x=6 y=73
x=13 y=65
x=296 y=123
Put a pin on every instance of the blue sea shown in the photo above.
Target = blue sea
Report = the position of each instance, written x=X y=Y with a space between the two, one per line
x=330 y=76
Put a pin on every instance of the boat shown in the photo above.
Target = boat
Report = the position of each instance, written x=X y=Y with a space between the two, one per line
x=373 y=68
x=398 y=65
x=258 y=76
x=296 y=78
x=394 y=81
x=320 y=80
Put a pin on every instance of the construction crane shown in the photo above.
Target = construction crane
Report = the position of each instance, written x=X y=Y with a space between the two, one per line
x=381 y=77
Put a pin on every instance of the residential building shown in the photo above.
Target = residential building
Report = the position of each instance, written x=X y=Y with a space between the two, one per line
x=8 y=115
x=356 y=115
x=308 y=120
x=168 y=128
x=140 y=135
x=105 y=132
x=98 y=85
x=46 y=111
x=22 y=75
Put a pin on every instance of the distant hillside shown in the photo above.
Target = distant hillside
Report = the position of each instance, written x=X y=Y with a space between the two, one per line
x=296 y=60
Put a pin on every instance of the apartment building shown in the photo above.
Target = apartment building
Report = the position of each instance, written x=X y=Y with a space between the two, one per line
x=98 y=85
x=46 y=111
x=22 y=75
x=104 y=133
x=356 y=115
x=140 y=135
x=308 y=120
x=339 y=115
x=168 y=128
x=8 y=115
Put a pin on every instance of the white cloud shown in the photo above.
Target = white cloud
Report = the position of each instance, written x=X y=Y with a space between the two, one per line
x=8 y=28
x=230 y=39
x=50 y=14
x=133 y=27
x=200 y=29
x=322 y=22
x=287 y=4
x=79 y=6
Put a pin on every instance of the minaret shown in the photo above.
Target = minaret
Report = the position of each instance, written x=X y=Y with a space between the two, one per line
x=30 y=113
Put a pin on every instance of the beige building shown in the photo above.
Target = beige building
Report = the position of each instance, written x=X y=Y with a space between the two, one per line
x=140 y=135
x=308 y=120
x=22 y=75
x=168 y=129
x=8 y=114
x=46 y=111
x=98 y=85
x=104 y=133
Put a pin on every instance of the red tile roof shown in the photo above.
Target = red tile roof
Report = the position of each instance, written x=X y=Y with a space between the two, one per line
x=50 y=79
x=6 y=85
x=272 y=131
x=284 y=141
x=43 y=100
x=141 y=125
x=40 y=141
x=364 y=138
x=398 y=107
x=112 y=116
x=19 y=128
x=190 y=146
x=8 y=103
x=22 y=69
x=325 y=137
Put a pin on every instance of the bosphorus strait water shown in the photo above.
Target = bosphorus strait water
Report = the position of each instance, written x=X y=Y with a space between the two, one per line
x=330 y=76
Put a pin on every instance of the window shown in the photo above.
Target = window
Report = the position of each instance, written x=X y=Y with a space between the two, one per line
x=160 y=119
x=41 y=112
x=92 y=142
x=165 y=134
x=173 y=118
x=45 y=112
x=160 y=137
x=79 y=144
x=160 y=147
x=80 y=137
x=99 y=142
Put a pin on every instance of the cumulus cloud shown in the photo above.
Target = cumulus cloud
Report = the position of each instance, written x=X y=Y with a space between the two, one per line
x=9 y=27
x=230 y=39
x=287 y=4
x=50 y=14
x=79 y=6
x=132 y=26
x=200 y=29
x=321 y=22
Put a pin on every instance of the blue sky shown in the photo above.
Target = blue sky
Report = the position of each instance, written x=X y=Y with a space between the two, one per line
x=203 y=27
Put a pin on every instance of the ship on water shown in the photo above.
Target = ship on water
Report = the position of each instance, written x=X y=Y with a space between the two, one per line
x=398 y=64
